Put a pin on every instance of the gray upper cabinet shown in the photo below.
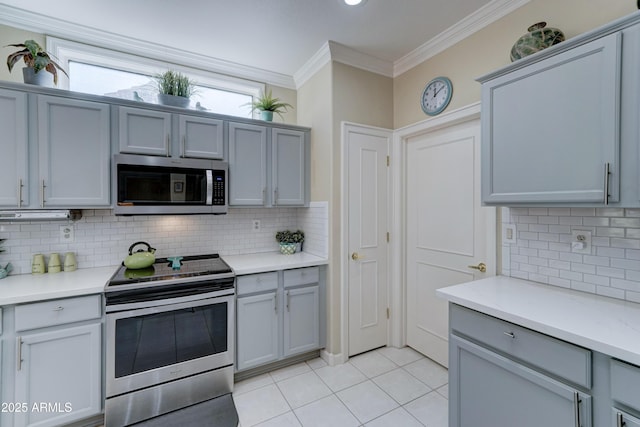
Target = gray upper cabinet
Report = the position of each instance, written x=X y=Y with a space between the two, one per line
x=14 y=158
x=551 y=129
x=268 y=167
x=554 y=123
x=201 y=137
x=247 y=165
x=153 y=132
x=143 y=131
x=288 y=167
x=74 y=150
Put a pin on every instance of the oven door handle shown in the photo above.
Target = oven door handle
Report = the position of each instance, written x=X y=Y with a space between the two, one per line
x=209 y=187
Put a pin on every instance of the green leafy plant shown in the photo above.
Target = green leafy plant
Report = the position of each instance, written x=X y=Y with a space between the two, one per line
x=267 y=102
x=35 y=57
x=287 y=236
x=175 y=83
x=1 y=242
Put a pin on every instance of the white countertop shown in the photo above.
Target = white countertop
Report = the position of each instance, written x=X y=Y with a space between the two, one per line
x=606 y=325
x=271 y=261
x=15 y=289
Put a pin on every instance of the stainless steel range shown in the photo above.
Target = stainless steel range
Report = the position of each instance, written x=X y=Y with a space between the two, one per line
x=170 y=337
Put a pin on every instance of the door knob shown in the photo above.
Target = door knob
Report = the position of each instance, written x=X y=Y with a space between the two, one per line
x=355 y=256
x=482 y=267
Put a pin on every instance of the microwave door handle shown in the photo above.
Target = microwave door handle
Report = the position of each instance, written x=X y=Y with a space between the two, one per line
x=209 y=187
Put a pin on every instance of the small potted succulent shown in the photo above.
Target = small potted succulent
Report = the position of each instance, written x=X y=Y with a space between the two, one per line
x=36 y=60
x=267 y=105
x=289 y=241
x=174 y=89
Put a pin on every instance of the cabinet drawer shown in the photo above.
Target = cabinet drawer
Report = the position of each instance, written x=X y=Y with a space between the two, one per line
x=257 y=283
x=57 y=312
x=625 y=384
x=556 y=357
x=301 y=276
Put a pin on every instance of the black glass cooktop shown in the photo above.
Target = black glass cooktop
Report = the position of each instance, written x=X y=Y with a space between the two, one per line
x=172 y=268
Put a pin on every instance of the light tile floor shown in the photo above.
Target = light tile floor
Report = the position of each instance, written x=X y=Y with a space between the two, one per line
x=387 y=387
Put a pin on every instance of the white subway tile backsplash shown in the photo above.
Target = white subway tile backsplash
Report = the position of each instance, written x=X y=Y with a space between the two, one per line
x=542 y=252
x=102 y=239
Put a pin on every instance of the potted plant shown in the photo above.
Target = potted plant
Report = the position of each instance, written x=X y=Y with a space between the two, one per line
x=4 y=271
x=289 y=241
x=267 y=105
x=36 y=60
x=174 y=89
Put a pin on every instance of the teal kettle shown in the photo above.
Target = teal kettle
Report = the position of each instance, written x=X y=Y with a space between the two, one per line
x=141 y=258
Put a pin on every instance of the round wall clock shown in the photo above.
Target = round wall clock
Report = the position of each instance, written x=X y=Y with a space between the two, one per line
x=436 y=96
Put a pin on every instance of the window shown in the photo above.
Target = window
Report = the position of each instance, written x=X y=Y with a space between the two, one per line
x=107 y=72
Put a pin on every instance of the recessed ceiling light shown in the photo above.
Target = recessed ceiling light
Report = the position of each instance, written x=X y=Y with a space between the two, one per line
x=354 y=2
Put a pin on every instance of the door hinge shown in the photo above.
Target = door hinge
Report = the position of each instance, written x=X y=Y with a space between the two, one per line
x=388 y=161
x=387 y=312
x=388 y=237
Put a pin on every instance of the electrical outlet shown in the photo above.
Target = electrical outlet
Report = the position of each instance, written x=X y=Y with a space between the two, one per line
x=67 y=234
x=581 y=241
x=255 y=226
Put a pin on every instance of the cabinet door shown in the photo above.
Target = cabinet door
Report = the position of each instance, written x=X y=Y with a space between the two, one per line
x=620 y=418
x=288 y=167
x=74 y=148
x=488 y=390
x=61 y=370
x=550 y=130
x=144 y=131
x=13 y=161
x=201 y=137
x=247 y=165
x=301 y=320
x=257 y=327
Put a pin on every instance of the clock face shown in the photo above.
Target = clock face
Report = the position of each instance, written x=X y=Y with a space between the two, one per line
x=436 y=96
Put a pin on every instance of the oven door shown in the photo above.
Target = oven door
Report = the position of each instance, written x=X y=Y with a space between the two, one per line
x=155 y=345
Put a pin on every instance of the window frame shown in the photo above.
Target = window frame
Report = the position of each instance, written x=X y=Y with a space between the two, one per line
x=65 y=51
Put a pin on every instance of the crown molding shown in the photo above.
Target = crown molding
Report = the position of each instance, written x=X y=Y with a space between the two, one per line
x=38 y=23
x=481 y=18
x=321 y=58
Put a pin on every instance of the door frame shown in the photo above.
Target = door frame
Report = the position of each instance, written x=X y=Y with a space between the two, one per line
x=346 y=128
x=398 y=302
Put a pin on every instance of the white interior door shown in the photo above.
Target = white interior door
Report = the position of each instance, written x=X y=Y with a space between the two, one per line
x=447 y=230
x=367 y=216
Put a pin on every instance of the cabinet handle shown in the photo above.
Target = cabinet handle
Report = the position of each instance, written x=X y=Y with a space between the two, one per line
x=59 y=308
x=620 y=420
x=168 y=145
x=264 y=194
x=288 y=299
x=510 y=334
x=184 y=146
x=607 y=172
x=20 y=185
x=275 y=304
x=576 y=407
x=19 y=353
x=42 y=187
x=275 y=196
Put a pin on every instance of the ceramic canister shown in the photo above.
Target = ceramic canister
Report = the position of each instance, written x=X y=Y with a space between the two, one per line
x=70 y=263
x=54 y=263
x=37 y=265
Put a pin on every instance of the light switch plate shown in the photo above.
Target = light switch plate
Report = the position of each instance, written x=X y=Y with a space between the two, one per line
x=509 y=233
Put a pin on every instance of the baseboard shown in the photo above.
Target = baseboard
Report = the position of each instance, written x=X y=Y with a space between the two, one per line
x=333 y=359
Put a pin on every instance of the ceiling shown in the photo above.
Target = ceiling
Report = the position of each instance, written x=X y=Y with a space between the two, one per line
x=278 y=36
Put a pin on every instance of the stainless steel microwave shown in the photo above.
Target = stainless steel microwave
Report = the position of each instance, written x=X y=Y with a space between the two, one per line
x=148 y=185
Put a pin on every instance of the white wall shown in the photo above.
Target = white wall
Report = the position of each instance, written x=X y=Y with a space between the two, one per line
x=102 y=239
x=542 y=252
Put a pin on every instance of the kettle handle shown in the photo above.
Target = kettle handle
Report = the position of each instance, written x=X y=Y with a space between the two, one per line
x=149 y=248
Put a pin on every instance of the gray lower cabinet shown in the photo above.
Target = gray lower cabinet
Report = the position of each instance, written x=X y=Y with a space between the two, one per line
x=14 y=160
x=268 y=167
x=620 y=418
x=278 y=315
x=74 y=152
x=490 y=385
x=153 y=132
x=58 y=362
x=625 y=393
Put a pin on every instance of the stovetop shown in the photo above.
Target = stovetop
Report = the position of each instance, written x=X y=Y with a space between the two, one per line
x=162 y=269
